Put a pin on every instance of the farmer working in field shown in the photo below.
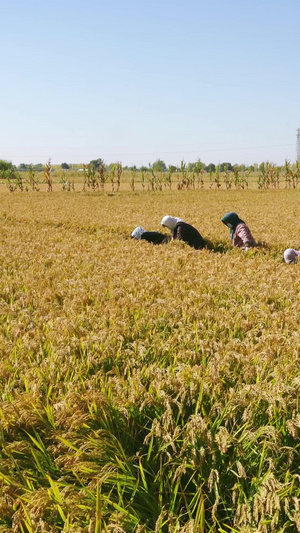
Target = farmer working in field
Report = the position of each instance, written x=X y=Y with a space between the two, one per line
x=183 y=231
x=154 y=237
x=240 y=234
x=291 y=256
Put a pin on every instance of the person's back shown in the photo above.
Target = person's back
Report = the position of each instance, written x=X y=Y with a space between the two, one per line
x=183 y=231
x=155 y=237
x=187 y=233
x=243 y=237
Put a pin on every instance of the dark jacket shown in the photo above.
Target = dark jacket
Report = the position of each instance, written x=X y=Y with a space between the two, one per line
x=187 y=233
x=155 y=237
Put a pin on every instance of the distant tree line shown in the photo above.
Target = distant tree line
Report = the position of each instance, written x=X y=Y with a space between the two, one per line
x=160 y=166
x=7 y=170
x=24 y=167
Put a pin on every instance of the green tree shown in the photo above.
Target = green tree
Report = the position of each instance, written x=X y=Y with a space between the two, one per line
x=96 y=163
x=65 y=166
x=8 y=170
x=196 y=167
x=39 y=167
x=226 y=166
x=211 y=167
x=23 y=167
x=6 y=165
x=159 y=166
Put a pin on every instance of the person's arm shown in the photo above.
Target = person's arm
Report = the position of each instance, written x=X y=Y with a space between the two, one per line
x=237 y=240
x=243 y=237
x=177 y=232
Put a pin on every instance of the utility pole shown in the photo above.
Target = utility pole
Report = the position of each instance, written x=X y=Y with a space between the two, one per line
x=298 y=144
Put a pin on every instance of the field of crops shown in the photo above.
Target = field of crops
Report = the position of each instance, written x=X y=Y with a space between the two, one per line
x=148 y=388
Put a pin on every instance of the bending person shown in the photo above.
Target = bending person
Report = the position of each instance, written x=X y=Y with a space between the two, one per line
x=291 y=256
x=240 y=234
x=154 y=237
x=183 y=231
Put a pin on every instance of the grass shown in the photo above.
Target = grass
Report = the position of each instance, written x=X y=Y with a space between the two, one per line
x=148 y=389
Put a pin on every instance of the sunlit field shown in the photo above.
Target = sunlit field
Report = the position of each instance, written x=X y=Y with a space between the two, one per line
x=148 y=388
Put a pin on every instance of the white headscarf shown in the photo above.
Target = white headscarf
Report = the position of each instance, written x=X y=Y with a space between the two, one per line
x=138 y=232
x=170 y=222
x=290 y=255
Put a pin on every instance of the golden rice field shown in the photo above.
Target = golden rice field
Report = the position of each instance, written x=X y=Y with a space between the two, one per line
x=148 y=388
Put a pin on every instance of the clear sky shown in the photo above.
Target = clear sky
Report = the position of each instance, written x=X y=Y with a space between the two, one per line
x=138 y=80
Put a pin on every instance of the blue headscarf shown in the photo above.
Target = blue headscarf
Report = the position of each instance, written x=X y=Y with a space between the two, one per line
x=231 y=220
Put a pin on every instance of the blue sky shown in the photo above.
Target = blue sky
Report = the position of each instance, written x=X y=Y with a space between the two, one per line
x=134 y=81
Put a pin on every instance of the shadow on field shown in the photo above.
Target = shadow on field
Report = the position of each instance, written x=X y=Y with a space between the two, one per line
x=220 y=247
x=262 y=248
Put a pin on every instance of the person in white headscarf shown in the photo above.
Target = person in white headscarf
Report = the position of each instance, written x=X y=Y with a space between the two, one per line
x=183 y=231
x=290 y=255
x=154 y=237
x=170 y=222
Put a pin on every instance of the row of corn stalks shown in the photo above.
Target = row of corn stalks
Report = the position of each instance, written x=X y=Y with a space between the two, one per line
x=270 y=176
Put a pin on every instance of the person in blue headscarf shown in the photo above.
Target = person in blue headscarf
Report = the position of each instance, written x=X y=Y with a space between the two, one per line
x=240 y=233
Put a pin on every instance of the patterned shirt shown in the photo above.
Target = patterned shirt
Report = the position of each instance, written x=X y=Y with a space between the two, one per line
x=243 y=236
